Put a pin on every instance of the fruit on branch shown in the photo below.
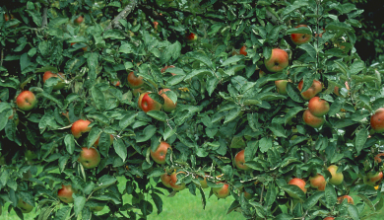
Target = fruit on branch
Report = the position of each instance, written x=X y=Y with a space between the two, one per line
x=318 y=107
x=242 y=50
x=138 y=91
x=155 y=24
x=378 y=157
x=59 y=85
x=336 y=90
x=168 y=105
x=26 y=100
x=165 y=179
x=337 y=178
x=281 y=86
x=240 y=161
x=329 y=218
x=79 y=19
x=204 y=183
x=80 y=127
x=298 y=38
x=278 y=60
x=318 y=182
x=173 y=181
x=377 y=120
x=98 y=139
x=373 y=179
x=311 y=120
x=23 y=206
x=116 y=83
x=348 y=198
x=161 y=152
x=191 y=37
x=147 y=104
x=311 y=91
x=133 y=81
x=299 y=183
x=89 y=157
x=6 y=17
x=221 y=192
x=65 y=194
x=166 y=67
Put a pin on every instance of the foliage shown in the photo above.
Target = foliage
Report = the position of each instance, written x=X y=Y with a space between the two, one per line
x=225 y=103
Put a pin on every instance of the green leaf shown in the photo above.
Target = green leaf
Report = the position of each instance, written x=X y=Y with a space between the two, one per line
x=69 y=141
x=200 y=57
x=271 y=195
x=309 y=49
x=98 y=98
x=158 y=115
x=79 y=203
x=198 y=72
x=283 y=216
x=313 y=199
x=120 y=149
x=127 y=120
x=147 y=133
x=360 y=139
x=113 y=34
x=294 y=190
x=330 y=195
x=278 y=130
x=105 y=181
x=265 y=144
x=294 y=93
x=353 y=212
x=233 y=59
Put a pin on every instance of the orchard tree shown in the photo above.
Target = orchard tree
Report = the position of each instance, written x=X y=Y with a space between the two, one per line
x=265 y=102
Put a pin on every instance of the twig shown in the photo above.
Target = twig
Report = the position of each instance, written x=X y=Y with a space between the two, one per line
x=122 y=15
x=44 y=22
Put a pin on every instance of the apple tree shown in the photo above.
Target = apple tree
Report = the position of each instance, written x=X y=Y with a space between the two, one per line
x=265 y=101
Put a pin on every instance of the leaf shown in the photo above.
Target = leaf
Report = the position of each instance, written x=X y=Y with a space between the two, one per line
x=63 y=213
x=360 y=139
x=294 y=190
x=367 y=201
x=158 y=115
x=120 y=149
x=105 y=181
x=197 y=72
x=127 y=120
x=353 y=213
x=98 y=98
x=158 y=202
x=309 y=49
x=330 y=195
x=147 y=133
x=294 y=93
x=212 y=83
x=79 y=203
x=271 y=195
x=313 y=199
x=278 y=130
x=283 y=216
x=233 y=59
x=265 y=144
x=69 y=141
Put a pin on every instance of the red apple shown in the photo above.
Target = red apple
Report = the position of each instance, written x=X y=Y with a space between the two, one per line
x=240 y=161
x=155 y=24
x=59 y=85
x=147 y=104
x=281 y=86
x=166 y=67
x=79 y=127
x=222 y=192
x=168 y=105
x=337 y=178
x=160 y=154
x=173 y=181
x=299 y=183
x=312 y=91
x=377 y=120
x=311 y=120
x=138 y=91
x=329 y=218
x=26 y=100
x=6 y=17
x=349 y=199
x=278 y=60
x=65 y=194
x=242 y=51
x=89 y=157
x=79 y=19
x=318 y=182
x=298 y=38
x=318 y=107
x=373 y=179
x=133 y=81
x=116 y=83
x=191 y=37
x=165 y=179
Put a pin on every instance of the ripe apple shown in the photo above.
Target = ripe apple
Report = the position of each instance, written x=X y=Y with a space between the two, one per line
x=318 y=182
x=116 y=83
x=240 y=161
x=312 y=91
x=349 y=199
x=222 y=192
x=242 y=50
x=59 y=85
x=147 y=104
x=166 y=67
x=26 y=100
x=79 y=19
x=159 y=155
x=6 y=17
x=168 y=104
x=299 y=183
x=173 y=181
x=98 y=139
x=89 y=157
x=24 y=207
x=79 y=127
x=298 y=38
x=165 y=179
x=191 y=37
x=336 y=90
x=337 y=178
x=373 y=179
x=155 y=24
x=281 y=86
x=318 y=107
x=311 y=120
x=133 y=81
x=377 y=158
x=329 y=218
x=278 y=60
x=377 y=120
x=65 y=194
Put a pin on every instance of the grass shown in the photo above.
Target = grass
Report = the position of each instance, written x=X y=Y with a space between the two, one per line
x=183 y=206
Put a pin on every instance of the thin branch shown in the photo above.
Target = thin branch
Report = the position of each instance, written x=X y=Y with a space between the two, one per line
x=45 y=20
x=122 y=15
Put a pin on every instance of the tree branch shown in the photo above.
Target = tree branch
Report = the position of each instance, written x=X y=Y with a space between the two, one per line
x=122 y=15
